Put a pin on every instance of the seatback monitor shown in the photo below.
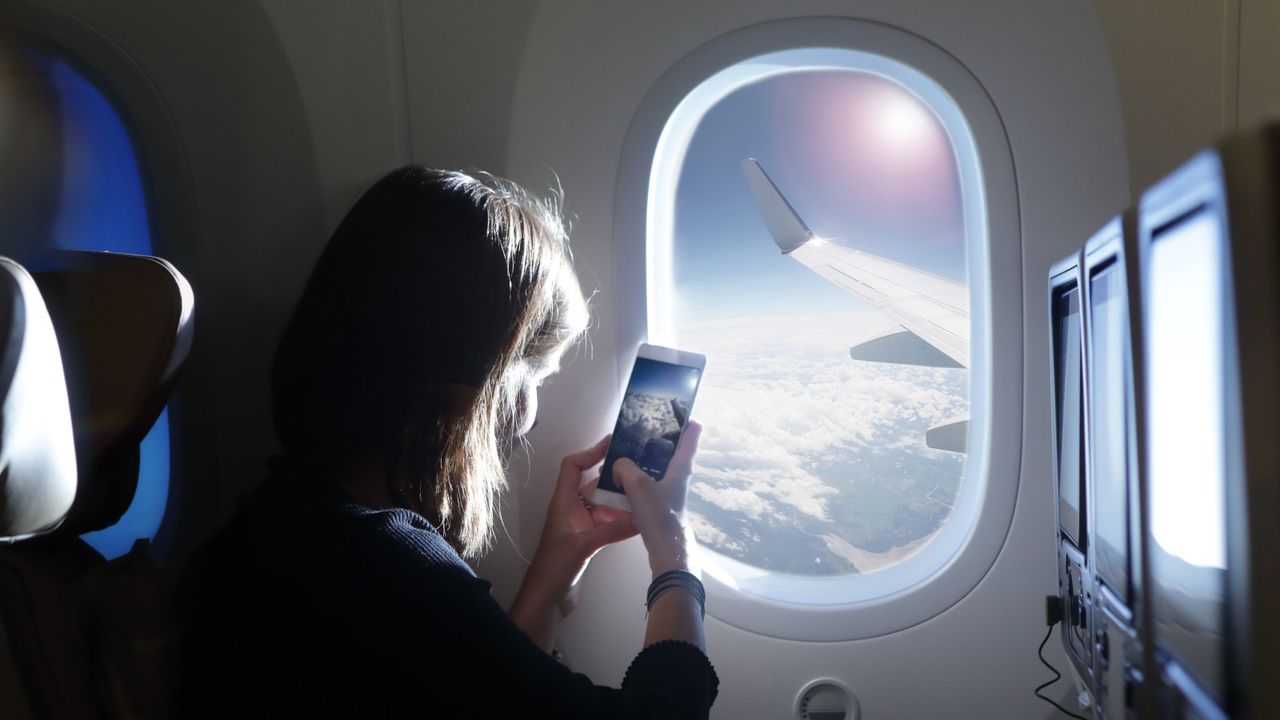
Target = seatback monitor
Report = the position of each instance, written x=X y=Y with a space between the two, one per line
x=1069 y=392
x=1113 y=476
x=1066 y=323
x=1110 y=416
x=1209 y=248
x=1185 y=434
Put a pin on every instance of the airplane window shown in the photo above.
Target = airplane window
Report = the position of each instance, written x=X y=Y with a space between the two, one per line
x=818 y=258
x=69 y=179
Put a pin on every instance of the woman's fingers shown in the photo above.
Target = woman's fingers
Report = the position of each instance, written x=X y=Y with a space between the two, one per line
x=682 y=461
x=604 y=514
x=675 y=484
x=599 y=513
x=656 y=506
x=637 y=484
x=572 y=467
x=609 y=533
x=658 y=521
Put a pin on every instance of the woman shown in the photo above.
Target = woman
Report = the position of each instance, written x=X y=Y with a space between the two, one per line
x=408 y=370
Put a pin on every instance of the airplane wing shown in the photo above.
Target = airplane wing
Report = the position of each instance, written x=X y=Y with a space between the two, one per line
x=930 y=308
x=933 y=312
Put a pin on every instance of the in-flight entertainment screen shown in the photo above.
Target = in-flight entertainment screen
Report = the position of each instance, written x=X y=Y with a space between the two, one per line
x=1069 y=401
x=1109 y=414
x=1186 y=443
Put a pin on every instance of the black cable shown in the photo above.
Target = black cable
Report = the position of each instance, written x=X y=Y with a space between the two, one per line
x=1056 y=676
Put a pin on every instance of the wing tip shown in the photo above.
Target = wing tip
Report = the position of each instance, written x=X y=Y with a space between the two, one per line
x=786 y=228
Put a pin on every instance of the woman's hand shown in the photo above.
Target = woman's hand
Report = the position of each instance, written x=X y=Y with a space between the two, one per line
x=574 y=531
x=658 y=511
x=658 y=507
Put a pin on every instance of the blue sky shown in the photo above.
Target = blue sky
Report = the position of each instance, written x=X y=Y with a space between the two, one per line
x=858 y=157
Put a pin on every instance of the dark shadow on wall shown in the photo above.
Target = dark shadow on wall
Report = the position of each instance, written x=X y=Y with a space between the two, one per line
x=236 y=102
x=462 y=61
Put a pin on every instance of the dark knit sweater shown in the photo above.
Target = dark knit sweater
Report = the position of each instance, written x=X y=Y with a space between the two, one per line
x=309 y=604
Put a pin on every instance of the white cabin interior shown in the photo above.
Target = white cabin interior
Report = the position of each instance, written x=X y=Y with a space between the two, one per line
x=259 y=122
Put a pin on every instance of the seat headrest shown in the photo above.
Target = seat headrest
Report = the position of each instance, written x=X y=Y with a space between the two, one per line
x=37 y=450
x=124 y=327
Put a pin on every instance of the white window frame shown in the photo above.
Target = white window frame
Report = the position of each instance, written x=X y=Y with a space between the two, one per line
x=818 y=608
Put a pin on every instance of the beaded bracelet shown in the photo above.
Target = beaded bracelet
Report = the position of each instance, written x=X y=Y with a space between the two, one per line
x=677 y=580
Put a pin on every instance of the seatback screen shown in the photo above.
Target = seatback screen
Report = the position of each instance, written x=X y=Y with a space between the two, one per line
x=1186 y=443
x=1069 y=400
x=1108 y=425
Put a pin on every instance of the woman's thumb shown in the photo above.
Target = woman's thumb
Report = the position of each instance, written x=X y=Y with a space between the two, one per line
x=610 y=533
x=637 y=485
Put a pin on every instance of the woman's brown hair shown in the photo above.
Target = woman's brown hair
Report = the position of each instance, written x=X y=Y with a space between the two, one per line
x=434 y=295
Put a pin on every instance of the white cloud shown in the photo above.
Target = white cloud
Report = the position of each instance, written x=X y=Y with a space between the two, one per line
x=708 y=534
x=735 y=499
x=643 y=419
x=781 y=399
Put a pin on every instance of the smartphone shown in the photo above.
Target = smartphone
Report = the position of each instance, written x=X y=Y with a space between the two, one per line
x=655 y=409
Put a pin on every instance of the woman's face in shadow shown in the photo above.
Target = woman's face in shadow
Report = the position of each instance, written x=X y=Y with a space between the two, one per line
x=531 y=375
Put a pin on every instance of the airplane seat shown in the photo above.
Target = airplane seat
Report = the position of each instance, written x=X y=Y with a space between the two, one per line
x=37 y=459
x=37 y=449
x=94 y=638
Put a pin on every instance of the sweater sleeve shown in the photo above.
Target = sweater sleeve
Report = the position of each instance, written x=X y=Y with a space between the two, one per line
x=489 y=657
x=674 y=674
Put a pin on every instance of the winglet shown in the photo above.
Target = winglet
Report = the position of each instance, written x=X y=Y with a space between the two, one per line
x=786 y=227
x=952 y=436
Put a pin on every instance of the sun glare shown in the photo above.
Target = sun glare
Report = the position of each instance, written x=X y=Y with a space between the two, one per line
x=902 y=120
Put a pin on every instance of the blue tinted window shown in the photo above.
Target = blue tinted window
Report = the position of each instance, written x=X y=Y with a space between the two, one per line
x=69 y=180
x=102 y=206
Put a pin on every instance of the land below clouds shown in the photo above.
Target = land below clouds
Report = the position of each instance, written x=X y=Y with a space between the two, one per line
x=813 y=463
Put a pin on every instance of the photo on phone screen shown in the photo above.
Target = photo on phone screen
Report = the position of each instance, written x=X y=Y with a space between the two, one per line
x=654 y=411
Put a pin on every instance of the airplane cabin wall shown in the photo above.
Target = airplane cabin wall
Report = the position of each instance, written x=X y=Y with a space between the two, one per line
x=1258 y=83
x=585 y=73
x=348 y=64
x=1190 y=71
x=287 y=111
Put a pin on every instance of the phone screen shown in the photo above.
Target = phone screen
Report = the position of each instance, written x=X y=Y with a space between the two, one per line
x=654 y=411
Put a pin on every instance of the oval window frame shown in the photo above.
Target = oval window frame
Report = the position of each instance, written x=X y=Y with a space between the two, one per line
x=952 y=565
